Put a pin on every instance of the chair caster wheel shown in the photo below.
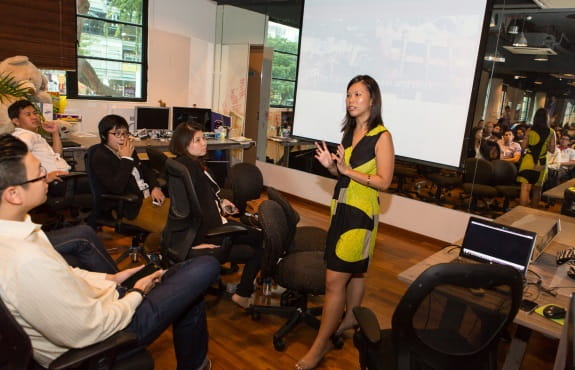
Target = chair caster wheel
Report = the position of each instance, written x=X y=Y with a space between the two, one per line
x=279 y=344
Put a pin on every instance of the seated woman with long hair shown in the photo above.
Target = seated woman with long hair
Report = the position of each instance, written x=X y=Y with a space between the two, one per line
x=190 y=146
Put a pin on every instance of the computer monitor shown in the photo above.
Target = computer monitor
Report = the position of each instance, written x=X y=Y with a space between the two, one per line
x=152 y=118
x=218 y=119
x=189 y=114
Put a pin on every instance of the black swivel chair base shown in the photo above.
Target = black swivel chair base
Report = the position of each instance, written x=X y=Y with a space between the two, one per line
x=293 y=306
x=134 y=251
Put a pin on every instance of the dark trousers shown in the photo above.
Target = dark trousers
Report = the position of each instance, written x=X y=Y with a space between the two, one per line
x=81 y=247
x=178 y=301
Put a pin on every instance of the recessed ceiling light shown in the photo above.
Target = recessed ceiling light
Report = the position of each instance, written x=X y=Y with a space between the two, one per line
x=541 y=58
x=494 y=58
x=538 y=83
x=519 y=76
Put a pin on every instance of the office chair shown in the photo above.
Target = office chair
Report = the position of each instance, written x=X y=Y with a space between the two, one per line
x=300 y=238
x=16 y=350
x=478 y=182
x=246 y=183
x=100 y=217
x=185 y=217
x=302 y=273
x=157 y=161
x=443 y=180
x=505 y=179
x=451 y=317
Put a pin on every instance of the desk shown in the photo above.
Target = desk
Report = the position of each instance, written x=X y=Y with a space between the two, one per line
x=558 y=191
x=78 y=153
x=287 y=143
x=545 y=266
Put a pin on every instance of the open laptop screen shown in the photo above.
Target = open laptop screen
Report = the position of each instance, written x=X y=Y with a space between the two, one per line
x=490 y=242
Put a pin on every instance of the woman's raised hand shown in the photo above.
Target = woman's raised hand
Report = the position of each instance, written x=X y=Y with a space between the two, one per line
x=323 y=155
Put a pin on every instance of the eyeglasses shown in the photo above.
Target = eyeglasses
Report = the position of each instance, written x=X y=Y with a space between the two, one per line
x=43 y=176
x=119 y=134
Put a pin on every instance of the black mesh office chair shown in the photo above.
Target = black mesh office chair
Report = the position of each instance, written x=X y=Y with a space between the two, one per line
x=185 y=217
x=157 y=161
x=478 y=182
x=246 y=182
x=505 y=179
x=302 y=273
x=16 y=350
x=105 y=217
x=451 y=317
x=303 y=237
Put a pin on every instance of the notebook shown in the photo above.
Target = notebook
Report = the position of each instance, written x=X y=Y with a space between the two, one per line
x=490 y=242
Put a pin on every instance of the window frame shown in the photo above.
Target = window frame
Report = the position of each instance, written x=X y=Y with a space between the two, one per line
x=296 y=55
x=72 y=76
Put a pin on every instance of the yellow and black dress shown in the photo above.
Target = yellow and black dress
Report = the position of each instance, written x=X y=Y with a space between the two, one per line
x=533 y=163
x=354 y=209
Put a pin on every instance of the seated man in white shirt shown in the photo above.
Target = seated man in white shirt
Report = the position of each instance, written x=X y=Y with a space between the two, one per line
x=61 y=307
x=564 y=159
x=510 y=150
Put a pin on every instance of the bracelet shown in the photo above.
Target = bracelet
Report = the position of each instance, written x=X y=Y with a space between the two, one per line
x=368 y=179
x=137 y=290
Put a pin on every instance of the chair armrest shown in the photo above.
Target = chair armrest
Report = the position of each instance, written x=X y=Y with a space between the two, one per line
x=367 y=323
x=226 y=229
x=73 y=174
x=108 y=347
x=131 y=198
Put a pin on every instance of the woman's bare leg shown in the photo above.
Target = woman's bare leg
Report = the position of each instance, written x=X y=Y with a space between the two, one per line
x=335 y=296
x=354 y=295
x=524 y=196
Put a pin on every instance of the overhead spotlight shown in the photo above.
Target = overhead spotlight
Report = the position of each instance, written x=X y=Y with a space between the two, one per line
x=494 y=58
x=517 y=77
x=520 y=40
x=541 y=58
x=492 y=23
x=538 y=83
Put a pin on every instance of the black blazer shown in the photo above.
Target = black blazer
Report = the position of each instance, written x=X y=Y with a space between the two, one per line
x=206 y=192
x=115 y=176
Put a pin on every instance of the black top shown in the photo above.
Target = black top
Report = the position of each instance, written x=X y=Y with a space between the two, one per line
x=115 y=177
x=206 y=191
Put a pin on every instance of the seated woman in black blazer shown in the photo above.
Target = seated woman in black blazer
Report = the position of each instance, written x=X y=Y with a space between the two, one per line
x=189 y=145
x=119 y=170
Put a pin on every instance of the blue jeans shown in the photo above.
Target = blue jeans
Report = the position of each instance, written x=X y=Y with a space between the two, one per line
x=178 y=301
x=81 y=247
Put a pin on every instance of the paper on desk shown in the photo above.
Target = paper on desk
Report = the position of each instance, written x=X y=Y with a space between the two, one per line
x=240 y=139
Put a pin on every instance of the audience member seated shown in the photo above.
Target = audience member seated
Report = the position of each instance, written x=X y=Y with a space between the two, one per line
x=118 y=169
x=27 y=121
x=510 y=150
x=519 y=134
x=490 y=150
x=61 y=308
x=562 y=160
x=190 y=146
x=474 y=151
x=488 y=131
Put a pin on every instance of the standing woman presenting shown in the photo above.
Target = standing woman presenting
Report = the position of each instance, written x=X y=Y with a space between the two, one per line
x=364 y=163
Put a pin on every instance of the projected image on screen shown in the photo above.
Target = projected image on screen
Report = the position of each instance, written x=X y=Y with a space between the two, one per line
x=423 y=58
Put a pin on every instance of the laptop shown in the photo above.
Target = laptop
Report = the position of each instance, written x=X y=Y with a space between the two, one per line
x=490 y=242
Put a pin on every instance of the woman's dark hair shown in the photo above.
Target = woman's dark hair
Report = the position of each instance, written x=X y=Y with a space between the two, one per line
x=182 y=137
x=490 y=150
x=375 y=111
x=540 y=118
x=12 y=168
x=110 y=122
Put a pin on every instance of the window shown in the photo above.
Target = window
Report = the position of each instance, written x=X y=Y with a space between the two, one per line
x=284 y=40
x=112 y=55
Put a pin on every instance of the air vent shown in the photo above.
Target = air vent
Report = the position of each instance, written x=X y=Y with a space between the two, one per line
x=528 y=50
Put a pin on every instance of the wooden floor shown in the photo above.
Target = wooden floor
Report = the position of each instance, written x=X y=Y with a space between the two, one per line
x=238 y=342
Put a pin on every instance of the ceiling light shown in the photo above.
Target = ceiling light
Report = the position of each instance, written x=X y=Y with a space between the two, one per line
x=520 y=40
x=541 y=58
x=538 y=83
x=494 y=58
x=492 y=23
x=519 y=76
x=513 y=30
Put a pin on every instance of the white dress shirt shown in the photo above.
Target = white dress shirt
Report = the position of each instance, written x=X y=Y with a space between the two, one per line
x=40 y=148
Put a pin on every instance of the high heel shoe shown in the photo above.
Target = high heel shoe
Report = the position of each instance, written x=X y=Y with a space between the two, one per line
x=337 y=339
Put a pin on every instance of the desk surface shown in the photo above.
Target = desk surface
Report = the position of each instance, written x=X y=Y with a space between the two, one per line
x=162 y=144
x=558 y=191
x=545 y=266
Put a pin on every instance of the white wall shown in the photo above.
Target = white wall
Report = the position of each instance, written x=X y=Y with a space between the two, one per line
x=420 y=217
x=181 y=38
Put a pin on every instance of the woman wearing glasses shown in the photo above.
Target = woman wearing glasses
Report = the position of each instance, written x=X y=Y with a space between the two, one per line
x=118 y=169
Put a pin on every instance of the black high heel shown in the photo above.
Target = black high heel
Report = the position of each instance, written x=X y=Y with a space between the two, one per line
x=337 y=340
